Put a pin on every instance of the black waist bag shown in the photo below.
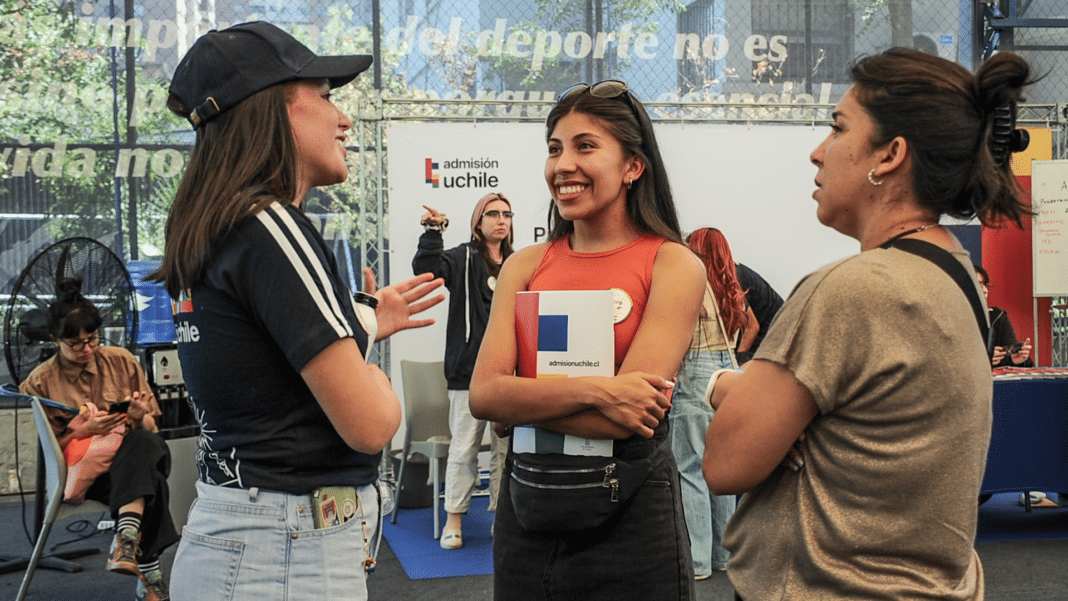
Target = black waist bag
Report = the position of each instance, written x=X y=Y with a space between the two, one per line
x=552 y=492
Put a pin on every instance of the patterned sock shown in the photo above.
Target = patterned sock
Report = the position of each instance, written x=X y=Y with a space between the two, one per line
x=148 y=567
x=128 y=520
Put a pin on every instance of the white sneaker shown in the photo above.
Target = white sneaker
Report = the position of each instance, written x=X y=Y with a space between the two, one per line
x=451 y=540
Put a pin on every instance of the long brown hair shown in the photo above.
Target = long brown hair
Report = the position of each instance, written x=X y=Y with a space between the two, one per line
x=243 y=160
x=711 y=246
x=649 y=201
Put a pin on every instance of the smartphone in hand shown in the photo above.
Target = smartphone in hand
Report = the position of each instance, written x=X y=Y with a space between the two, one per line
x=119 y=407
x=1014 y=348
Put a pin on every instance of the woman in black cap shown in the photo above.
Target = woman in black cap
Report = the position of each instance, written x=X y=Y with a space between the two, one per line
x=293 y=421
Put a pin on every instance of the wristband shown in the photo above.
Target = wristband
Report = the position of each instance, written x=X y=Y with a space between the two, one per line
x=436 y=227
x=712 y=381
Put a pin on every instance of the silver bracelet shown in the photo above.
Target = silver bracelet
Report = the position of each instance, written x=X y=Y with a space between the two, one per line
x=712 y=381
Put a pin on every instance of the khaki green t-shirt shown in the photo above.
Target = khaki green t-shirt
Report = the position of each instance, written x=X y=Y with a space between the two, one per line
x=885 y=506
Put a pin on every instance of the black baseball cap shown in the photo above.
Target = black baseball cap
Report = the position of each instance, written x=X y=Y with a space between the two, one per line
x=225 y=67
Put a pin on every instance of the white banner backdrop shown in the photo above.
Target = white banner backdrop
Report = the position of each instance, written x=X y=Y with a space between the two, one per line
x=753 y=183
x=469 y=161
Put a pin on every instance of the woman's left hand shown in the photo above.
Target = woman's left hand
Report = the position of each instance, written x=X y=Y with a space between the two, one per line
x=997 y=355
x=139 y=412
x=397 y=303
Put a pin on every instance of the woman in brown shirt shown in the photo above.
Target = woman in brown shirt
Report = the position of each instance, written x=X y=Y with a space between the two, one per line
x=91 y=377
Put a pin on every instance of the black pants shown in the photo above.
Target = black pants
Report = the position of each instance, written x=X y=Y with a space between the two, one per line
x=641 y=552
x=140 y=469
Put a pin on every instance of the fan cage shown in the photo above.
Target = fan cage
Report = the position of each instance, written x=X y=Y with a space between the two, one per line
x=105 y=282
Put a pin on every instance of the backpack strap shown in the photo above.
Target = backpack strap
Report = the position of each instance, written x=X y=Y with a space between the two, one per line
x=954 y=269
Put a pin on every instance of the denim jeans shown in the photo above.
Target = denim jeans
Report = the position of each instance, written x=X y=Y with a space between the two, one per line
x=706 y=514
x=461 y=471
x=641 y=552
x=256 y=544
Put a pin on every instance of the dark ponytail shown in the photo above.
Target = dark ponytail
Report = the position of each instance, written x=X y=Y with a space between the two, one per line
x=947 y=116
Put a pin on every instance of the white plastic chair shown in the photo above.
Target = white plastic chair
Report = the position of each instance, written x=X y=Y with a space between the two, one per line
x=55 y=481
x=426 y=414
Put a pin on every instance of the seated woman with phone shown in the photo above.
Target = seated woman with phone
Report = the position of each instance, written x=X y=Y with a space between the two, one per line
x=1006 y=351
x=111 y=445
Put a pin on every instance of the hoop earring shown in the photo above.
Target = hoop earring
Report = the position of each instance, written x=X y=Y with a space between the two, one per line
x=872 y=179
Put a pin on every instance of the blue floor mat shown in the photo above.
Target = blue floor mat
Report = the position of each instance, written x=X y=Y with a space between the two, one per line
x=412 y=541
x=1003 y=518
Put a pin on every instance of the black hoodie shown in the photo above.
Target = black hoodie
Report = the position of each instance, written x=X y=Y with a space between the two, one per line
x=467 y=320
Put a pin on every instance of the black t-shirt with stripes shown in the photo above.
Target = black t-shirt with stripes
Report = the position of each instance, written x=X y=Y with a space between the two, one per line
x=271 y=300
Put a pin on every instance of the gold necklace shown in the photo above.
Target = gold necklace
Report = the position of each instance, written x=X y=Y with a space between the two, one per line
x=907 y=233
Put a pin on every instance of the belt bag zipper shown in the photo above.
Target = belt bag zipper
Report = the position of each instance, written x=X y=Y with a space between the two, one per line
x=611 y=479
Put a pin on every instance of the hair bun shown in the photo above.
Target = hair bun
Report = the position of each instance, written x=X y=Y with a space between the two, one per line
x=69 y=289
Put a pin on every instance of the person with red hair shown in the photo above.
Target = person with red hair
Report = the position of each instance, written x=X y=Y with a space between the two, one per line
x=724 y=318
x=711 y=246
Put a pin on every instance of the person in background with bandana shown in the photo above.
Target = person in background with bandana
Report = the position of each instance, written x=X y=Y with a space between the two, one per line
x=470 y=272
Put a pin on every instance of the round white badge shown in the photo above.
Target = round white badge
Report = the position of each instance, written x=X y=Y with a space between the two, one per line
x=621 y=305
x=492 y=283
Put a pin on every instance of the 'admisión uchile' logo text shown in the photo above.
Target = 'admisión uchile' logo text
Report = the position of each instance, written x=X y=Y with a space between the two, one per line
x=471 y=174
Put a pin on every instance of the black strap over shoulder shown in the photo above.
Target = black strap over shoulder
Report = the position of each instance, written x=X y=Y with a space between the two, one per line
x=953 y=268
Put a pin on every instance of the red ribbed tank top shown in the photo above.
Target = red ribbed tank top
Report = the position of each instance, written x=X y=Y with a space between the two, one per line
x=627 y=270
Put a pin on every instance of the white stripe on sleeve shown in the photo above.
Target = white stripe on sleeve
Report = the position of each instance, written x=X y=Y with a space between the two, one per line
x=328 y=304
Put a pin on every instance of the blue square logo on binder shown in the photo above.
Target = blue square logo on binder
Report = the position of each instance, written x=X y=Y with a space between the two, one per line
x=552 y=333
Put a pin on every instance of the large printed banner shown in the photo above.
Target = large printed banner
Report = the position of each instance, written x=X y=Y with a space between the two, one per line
x=449 y=167
x=753 y=183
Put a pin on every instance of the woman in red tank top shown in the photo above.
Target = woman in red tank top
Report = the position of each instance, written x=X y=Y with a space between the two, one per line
x=612 y=225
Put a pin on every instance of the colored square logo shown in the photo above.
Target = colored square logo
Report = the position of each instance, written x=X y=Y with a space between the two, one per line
x=552 y=333
x=431 y=177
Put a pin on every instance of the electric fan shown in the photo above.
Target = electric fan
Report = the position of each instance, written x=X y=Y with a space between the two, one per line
x=105 y=282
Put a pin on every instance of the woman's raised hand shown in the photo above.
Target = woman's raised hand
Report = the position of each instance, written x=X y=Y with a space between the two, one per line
x=399 y=302
x=432 y=216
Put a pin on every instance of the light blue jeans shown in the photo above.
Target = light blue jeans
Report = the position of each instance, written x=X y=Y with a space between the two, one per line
x=256 y=544
x=706 y=514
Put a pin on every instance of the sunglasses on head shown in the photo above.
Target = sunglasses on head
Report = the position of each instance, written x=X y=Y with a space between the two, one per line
x=609 y=88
